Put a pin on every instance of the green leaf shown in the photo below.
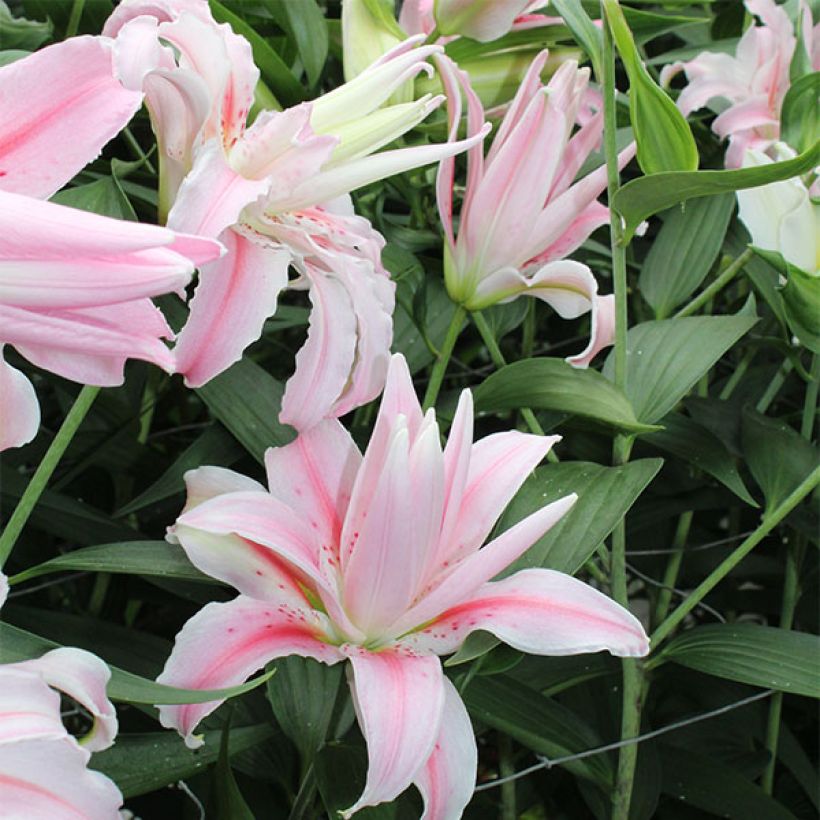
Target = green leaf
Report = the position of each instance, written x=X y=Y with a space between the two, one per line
x=152 y=558
x=586 y=33
x=605 y=494
x=141 y=763
x=541 y=724
x=684 y=251
x=685 y=438
x=552 y=384
x=778 y=458
x=225 y=800
x=665 y=141
x=643 y=197
x=305 y=24
x=101 y=197
x=215 y=447
x=247 y=399
x=17 y=33
x=19 y=645
x=666 y=358
x=273 y=69
x=713 y=787
x=800 y=114
x=303 y=695
x=801 y=299
x=748 y=653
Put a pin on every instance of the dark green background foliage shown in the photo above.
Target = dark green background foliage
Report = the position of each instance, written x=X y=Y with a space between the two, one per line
x=716 y=401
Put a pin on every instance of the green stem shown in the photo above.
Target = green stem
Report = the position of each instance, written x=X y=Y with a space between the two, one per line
x=670 y=577
x=737 y=374
x=528 y=338
x=768 y=523
x=74 y=18
x=440 y=366
x=633 y=690
x=505 y=769
x=499 y=361
x=722 y=280
x=791 y=586
x=137 y=149
x=774 y=386
x=45 y=469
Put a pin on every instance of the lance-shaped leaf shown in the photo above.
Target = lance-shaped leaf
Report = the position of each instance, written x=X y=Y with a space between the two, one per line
x=665 y=141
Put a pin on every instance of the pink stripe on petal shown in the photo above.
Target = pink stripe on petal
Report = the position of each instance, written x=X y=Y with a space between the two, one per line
x=223 y=644
x=399 y=700
x=64 y=95
x=540 y=612
x=448 y=778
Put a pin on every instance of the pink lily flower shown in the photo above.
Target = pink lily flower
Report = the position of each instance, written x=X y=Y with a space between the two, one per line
x=482 y=20
x=275 y=193
x=43 y=769
x=377 y=560
x=749 y=87
x=522 y=214
x=74 y=286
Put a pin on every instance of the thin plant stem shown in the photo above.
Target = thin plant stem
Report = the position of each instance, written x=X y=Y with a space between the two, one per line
x=774 y=386
x=768 y=523
x=137 y=149
x=633 y=689
x=791 y=586
x=528 y=337
x=440 y=365
x=670 y=577
x=45 y=470
x=720 y=282
x=74 y=18
x=506 y=769
x=499 y=361
x=737 y=374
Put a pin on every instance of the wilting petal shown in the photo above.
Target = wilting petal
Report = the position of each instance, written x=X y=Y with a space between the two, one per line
x=83 y=677
x=89 y=345
x=479 y=567
x=324 y=363
x=28 y=708
x=499 y=464
x=19 y=413
x=234 y=297
x=541 y=612
x=399 y=701
x=448 y=778
x=223 y=644
x=314 y=476
x=603 y=331
x=60 y=106
x=48 y=779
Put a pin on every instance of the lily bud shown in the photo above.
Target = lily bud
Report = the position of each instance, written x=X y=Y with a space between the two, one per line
x=482 y=20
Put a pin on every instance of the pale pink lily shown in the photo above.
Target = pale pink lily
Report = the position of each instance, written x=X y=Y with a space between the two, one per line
x=482 y=20
x=747 y=88
x=43 y=769
x=275 y=193
x=74 y=286
x=377 y=560
x=522 y=212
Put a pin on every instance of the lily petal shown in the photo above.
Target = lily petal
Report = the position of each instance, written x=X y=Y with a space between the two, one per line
x=541 y=612
x=19 y=410
x=28 y=708
x=603 y=331
x=447 y=780
x=223 y=644
x=399 y=702
x=314 y=476
x=234 y=297
x=83 y=677
x=324 y=362
x=65 y=95
x=47 y=779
